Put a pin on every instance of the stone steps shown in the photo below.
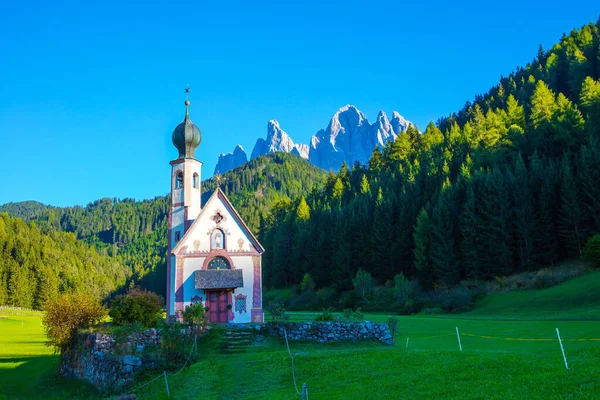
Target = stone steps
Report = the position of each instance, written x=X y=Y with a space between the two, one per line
x=235 y=340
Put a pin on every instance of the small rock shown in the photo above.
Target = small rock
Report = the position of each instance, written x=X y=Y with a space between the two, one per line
x=132 y=360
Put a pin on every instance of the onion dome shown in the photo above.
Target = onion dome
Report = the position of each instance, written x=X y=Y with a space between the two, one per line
x=186 y=136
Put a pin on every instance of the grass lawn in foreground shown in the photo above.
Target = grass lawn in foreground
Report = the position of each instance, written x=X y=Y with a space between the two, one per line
x=506 y=355
x=28 y=368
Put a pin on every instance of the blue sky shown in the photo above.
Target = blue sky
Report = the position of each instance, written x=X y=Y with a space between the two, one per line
x=90 y=92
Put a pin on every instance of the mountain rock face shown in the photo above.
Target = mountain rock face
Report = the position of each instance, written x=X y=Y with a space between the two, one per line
x=277 y=140
x=349 y=137
x=231 y=161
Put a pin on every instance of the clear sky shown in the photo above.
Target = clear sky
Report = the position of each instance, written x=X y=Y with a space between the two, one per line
x=90 y=91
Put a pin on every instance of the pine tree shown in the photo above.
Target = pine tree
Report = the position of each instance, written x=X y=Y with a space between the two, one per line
x=302 y=211
x=468 y=246
x=524 y=215
x=571 y=228
x=443 y=257
x=422 y=248
x=365 y=188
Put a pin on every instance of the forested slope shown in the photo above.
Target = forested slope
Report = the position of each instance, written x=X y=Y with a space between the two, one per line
x=36 y=266
x=509 y=183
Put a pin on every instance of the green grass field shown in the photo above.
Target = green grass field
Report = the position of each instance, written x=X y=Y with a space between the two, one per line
x=510 y=351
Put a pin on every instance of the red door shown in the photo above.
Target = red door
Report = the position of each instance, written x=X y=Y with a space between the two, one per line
x=217 y=306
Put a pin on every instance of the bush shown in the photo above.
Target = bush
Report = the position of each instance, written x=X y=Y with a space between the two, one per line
x=66 y=314
x=308 y=284
x=457 y=299
x=363 y=283
x=326 y=316
x=591 y=251
x=175 y=345
x=137 y=305
x=194 y=315
x=353 y=316
x=277 y=311
x=402 y=288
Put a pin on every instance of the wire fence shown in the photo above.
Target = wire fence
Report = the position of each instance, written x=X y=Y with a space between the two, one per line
x=10 y=310
x=304 y=392
x=459 y=334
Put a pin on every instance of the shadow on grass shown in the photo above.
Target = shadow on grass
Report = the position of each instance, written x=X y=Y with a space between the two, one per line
x=37 y=377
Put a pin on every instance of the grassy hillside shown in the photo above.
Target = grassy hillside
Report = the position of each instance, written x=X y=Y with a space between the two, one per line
x=577 y=299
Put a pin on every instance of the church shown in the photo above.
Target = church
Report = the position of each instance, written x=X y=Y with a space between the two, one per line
x=213 y=257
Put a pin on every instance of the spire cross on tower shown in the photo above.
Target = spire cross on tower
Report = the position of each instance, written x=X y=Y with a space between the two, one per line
x=219 y=179
x=187 y=102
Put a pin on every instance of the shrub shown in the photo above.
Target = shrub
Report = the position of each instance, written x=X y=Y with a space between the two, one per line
x=308 y=284
x=277 y=311
x=66 y=314
x=392 y=323
x=137 y=305
x=402 y=288
x=353 y=316
x=363 y=283
x=194 y=315
x=175 y=345
x=591 y=251
x=349 y=299
x=326 y=316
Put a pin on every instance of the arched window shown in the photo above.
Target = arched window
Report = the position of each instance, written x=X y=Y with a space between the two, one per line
x=219 y=263
x=217 y=239
x=195 y=180
x=179 y=180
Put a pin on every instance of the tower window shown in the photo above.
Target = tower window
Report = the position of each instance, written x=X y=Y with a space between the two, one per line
x=177 y=236
x=179 y=180
x=195 y=180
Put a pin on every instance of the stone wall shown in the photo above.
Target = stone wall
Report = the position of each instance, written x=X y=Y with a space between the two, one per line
x=324 y=332
x=108 y=365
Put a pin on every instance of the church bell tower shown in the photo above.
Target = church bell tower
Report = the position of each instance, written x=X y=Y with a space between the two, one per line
x=185 y=193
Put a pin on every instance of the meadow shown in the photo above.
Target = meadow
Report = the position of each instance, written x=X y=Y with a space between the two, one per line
x=510 y=351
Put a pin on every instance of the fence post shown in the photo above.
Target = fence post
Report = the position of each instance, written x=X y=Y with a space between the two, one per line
x=167 y=384
x=304 y=392
x=458 y=336
x=562 y=348
x=407 y=343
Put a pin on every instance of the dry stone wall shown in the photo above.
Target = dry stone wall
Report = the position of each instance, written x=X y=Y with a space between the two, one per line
x=108 y=365
x=324 y=332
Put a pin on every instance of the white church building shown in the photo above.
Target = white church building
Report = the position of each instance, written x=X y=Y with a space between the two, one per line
x=213 y=257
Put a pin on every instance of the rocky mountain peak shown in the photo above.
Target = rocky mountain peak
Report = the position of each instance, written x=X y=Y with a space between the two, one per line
x=349 y=137
x=231 y=161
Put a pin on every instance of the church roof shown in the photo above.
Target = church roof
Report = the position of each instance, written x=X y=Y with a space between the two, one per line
x=218 y=279
x=186 y=136
x=218 y=194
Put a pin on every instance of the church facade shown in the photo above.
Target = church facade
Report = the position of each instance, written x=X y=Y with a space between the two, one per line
x=213 y=257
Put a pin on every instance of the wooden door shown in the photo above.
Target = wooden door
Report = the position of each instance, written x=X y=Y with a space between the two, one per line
x=218 y=311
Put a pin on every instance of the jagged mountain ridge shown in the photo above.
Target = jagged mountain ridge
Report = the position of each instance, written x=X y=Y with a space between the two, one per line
x=349 y=137
x=230 y=161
